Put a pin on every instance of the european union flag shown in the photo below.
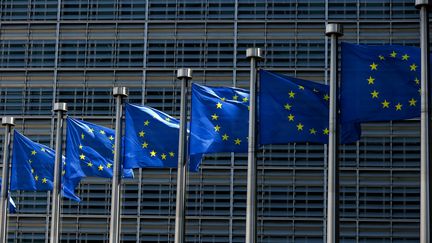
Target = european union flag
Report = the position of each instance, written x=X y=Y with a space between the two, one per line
x=292 y=110
x=12 y=206
x=219 y=119
x=151 y=139
x=33 y=167
x=89 y=151
x=379 y=83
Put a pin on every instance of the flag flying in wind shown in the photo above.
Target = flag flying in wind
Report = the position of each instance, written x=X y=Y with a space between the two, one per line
x=295 y=110
x=12 y=206
x=89 y=152
x=151 y=139
x=379 y=83
x=219 y=119
x=33 y=167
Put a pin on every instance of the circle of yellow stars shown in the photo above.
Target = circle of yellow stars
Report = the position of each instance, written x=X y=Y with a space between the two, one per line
x=36 y=177
x=375 y=94
x=291 y=117
x=145 y=145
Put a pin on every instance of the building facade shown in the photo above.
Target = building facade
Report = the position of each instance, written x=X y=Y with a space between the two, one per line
x=75 y=51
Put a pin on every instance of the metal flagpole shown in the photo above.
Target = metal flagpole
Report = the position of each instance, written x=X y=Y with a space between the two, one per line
x=425 y=123
x=119 y=93
x=254 y=54
x=184 y=75
x=61 y=109
x=8 y=122
x=333 y=31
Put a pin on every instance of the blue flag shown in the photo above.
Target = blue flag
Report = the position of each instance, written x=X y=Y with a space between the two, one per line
x=33 y=167
x=379 y=83
x=219 y=119
x=89 y=151
x=292 y=110
x=151 y=139
x=12 y=206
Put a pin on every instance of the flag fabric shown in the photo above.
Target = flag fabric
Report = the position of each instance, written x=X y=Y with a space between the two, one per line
x=12 y=206
x=151 y=139
x=33 y=167
x=379 y=83
x=292 y=110
x=219 y=119
x=89 y=152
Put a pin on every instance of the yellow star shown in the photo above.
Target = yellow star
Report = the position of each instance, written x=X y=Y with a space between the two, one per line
x=300 y=127
x=44 y=180
x=312 y=131
x=301 y=87
x=43 y=149
x=89 y=164
x=219 y=105
x=291 y=117
x=33 y=152
x=237 y=141
x=385 y=104
x=163 y=156
x=381 y=57
x=225 y=137
x=111 y=138
x=413 y=67
x=245 y=99
x=326 y=97
x=32 y=171
x=217 y=128
x=375 y=94
x=287 y=107
x=30 y=161
x=374 y=66
x=393 y=54
x=214 y=117
x=370 y=80
x=235 y=97
x=419 y=90
x=398 y=107
x=167 y=119
x=145 y=145
x=417 y=81
x=36 y=177
x=412 y=102
x=326 y=131
x=223 y=98
x=113 y=151
x=141 y=134
x=291 y=94
x=80 y=146
x=100 y=167
x=146 y=123
x=153 y=153
x=102 y=132
x=171 y=154
x=82 y=156
x=82 y=135
x=109 y=165
x=90 y=130
x=315 y=90
x=405 y=57
x=63 y=172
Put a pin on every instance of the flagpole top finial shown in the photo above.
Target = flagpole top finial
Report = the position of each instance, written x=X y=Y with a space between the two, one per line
x=334 y=29
x=120 y=91
x=185 y=73
x=254 y=53
x=8 y=120
x=60 y=106
x=421 y=3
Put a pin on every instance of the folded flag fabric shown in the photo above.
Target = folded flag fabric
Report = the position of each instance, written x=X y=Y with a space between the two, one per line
x=151 y=139
x=89 y=151
x=219 y=119
x=12 y=206
x=33 y=167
